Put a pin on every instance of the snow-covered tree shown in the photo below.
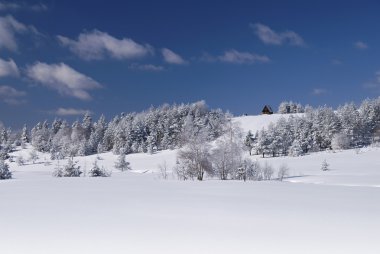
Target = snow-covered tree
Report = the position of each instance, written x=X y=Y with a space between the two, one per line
x=340 y=141
x=24 y=135
x=195 y=157
x=249 y=142
x=282 y=172
x=296 y=149
x=227 y=155
x=71 y=169
x=121 y=163
x=325 y=166
x=33 y=156
x=5 y=173
x=252 y=170
x=267 y=171
x=20 y=160
x=97 y=171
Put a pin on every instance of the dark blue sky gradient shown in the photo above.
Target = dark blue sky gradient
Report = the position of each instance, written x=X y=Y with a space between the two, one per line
x=191 y=28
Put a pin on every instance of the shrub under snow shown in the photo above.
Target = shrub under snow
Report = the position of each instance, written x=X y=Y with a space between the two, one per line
x=70 y=170
x=97 y=171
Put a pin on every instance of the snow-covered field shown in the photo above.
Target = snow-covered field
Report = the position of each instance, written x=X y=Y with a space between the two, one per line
x=312 y=211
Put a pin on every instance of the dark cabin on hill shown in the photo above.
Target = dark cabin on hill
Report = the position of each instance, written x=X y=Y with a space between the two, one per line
x=267 y=110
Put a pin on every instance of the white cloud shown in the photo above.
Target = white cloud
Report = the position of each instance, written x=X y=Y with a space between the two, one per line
x=234 y=56
x=12 y=6
x=319 y=91
x=361 y=45
x=8 y=68
x=146 y=67
x=9 y=27
x=171 y=57
x=269 y=36
x=70 y=112
x=11 y=95
x=62 y=78
x=97 y=45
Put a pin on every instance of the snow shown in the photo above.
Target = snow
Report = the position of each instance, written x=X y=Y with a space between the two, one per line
x=312 y=211
x=257 y=123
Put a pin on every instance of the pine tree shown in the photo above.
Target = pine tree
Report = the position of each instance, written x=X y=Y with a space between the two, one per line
x=24 y=135
x=4 y=170
x=69 y=170
x=249 y=142
x=97 y=171
x=121 y=163
x=325 y=166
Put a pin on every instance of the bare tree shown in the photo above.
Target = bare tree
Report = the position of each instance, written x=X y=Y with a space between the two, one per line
x=227 y=156
x=195 y=157
x=163 y=170
x=283 y=171
x=267 y=171
x=33 y=156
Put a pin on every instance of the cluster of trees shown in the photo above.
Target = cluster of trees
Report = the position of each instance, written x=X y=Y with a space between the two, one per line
x=152 y=130
x=223 y=160
x=289 y=107
x=72 y=169
x=319 y=129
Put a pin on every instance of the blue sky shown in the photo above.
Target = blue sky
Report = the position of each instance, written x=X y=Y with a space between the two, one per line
x=61 y=58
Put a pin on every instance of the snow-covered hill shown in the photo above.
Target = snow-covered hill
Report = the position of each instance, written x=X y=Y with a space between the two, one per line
x=312 y=211
x=258 y=122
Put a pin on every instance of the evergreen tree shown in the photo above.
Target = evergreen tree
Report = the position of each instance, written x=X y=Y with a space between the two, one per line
x=121 y=163
x=97 y=171
x=325 y=166
x=24 y=135
x=71 y=169
x=249 y=142
x=5 y=173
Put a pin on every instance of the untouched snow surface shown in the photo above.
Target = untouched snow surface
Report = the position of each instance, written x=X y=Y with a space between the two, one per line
x=337 y=211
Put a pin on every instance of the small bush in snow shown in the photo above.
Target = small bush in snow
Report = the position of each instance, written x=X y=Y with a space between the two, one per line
x=20 y=160
x=121 y=163
x=33 y=156
x=69 y=170
x=97 y=171
x=4 y=171
x=282 y=172
x=267 y=172
x=325 y=166
x=163 y=170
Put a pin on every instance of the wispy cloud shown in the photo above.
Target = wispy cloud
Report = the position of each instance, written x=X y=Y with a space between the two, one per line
x=62 y=78
x=319 y=91
x=12 y=96
x=269 y=36
x=361 y=45
x=8 y=68
x=336 y=62
x=146 y=67
x=9 y=27
x=19 y=6
x=69 y=112
x=373 y=84
x=172 y=58
x=97 y=45
x=236 y=57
